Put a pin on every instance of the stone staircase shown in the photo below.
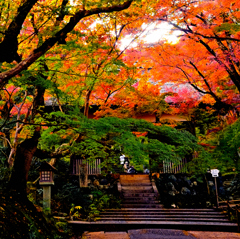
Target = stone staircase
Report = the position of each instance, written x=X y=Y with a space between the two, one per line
x=140 y=206
x=142 y=209
x=137 y=191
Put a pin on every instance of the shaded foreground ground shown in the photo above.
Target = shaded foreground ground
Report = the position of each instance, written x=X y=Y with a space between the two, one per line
x=160 y=234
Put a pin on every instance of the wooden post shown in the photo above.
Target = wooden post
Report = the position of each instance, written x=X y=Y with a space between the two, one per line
x=228 y=209
x=216 y=191
x=47 y=197
x=237 y=215
x=83 y=175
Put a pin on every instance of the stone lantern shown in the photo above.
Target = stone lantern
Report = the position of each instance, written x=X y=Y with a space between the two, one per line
x=46 y=181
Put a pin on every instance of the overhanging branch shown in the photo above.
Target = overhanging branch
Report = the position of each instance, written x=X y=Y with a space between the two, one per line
x=49 y=43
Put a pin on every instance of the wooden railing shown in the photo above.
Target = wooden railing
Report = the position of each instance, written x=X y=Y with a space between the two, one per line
x=171 y=167
x=238 y=217
x=93 y=168
x=233 y=210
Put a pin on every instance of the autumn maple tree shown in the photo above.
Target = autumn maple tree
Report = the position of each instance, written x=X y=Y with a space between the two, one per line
x=206 y=56
x=31 y=32
x=65 y=50
x=202 y=68
x=29 y=29
x=70 y=51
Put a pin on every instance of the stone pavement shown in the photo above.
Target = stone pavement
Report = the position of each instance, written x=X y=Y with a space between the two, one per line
x=160 y=234
x=215 y=235
x=106 y=235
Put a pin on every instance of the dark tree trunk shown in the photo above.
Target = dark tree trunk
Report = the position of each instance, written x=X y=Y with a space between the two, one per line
x=24 y=154
x=26 y=150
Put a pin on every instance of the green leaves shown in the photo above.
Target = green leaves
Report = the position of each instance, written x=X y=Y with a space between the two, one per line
x=229 y=27
x=221 y=152
x=100 y=138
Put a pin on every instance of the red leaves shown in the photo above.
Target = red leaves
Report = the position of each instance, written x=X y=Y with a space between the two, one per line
x=208 y=145
x=139 y=134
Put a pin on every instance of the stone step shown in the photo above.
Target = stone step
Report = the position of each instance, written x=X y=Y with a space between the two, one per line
x=208 y=210
x=140 y=205
x=136 y=184
x=138 y=188
x=133 y=181
x=129 y=225
x=137 y=191
x=136 y=177
x=129 y=194
x=139 y=198
x=162 y=215
x=221 y=220
x=140 y=201
x=141 y=214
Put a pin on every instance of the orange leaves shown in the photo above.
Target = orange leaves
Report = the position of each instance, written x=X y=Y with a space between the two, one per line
x=202 y=58
x=139 y=134
x=208 y=145
x=24 y=109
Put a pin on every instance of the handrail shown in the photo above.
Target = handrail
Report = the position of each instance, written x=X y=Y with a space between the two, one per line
x=238 y=217
x=156 y=193
x=234 y=208
x=119 y=187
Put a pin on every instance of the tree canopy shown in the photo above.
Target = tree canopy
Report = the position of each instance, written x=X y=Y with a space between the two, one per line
x=69 y=54
x=61 y=58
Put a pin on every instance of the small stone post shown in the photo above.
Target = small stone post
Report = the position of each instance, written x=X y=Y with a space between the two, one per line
x=47 y=197
x=83 y=175
x=46 y=181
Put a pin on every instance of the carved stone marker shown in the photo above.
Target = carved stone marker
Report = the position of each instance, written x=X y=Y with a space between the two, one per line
x=83 y=175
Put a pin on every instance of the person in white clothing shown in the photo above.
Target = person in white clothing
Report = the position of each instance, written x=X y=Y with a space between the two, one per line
x=122 y=159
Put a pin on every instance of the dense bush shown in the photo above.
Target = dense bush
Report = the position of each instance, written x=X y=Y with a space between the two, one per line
x=19 y=218
x=100 y=194
x=182 y=192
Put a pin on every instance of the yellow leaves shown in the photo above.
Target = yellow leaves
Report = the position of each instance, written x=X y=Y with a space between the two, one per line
x=78 y=207
x=208 y=99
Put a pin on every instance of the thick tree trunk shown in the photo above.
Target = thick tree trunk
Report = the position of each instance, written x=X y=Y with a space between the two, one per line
x=26 y=150
x=24 y=154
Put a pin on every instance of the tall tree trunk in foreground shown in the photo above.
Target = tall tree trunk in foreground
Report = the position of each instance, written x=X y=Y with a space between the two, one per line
x=26 y=149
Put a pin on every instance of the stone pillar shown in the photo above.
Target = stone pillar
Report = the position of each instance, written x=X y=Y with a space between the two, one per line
x=47 y=197
x=83 y=175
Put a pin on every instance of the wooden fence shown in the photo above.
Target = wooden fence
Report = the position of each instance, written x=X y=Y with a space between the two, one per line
x=171 y=167
x=93 y=167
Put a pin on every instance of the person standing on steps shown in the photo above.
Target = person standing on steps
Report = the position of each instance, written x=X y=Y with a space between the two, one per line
x=122 y=159
x=126 y=164
x=146 y=170
x=132 y=170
